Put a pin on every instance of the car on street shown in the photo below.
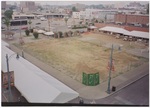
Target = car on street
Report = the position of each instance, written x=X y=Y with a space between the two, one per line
x=14 y=29
x=138 y=25
x=43 y=19
x=38 y=23
x=24 y=28
x=3 y=28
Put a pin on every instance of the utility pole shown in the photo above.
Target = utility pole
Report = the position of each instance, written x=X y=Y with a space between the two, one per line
x=9 y=87
x=49 y=24
x=20 y=28
x=110 y=68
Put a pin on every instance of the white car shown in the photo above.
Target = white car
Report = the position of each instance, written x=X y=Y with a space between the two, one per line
x=69 y=27
x=43 y=19
x=138 y=25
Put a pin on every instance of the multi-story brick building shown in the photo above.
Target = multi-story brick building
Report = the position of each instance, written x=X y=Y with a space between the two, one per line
x=27 y=6
x=3 y=5
x=132 y=18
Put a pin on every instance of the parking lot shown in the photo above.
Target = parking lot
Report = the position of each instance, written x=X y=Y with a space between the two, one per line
x=55 y=25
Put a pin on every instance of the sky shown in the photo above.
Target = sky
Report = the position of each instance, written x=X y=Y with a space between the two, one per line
x=62 y=2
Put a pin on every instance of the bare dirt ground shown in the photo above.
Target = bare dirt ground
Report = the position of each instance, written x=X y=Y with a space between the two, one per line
x=88 y=54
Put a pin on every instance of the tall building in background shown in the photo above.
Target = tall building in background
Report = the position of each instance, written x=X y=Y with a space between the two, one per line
x=27 y=6
x=80 y=7
x=3 y=5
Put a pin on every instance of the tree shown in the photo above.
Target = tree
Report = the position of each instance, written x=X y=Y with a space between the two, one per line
x=66 y=19
x=74 y=9
x=36 y=35
x=30 y=22
x=96 y=21
x=8 y=14
x=93 y=20
x=65 y=34
x=60 y=34
x=86 y=23
x=7 y=22
x=27 y=32
x=55 y=35
x=80 y=23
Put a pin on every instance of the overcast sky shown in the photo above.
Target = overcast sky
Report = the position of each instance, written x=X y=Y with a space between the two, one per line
x=61 y=2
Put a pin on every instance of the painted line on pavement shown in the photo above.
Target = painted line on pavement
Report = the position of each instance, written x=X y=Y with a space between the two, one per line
x=5 y=97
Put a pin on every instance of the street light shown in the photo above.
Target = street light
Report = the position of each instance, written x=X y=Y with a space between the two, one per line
x=110 y=68
x=7 y=61
x=20 y=28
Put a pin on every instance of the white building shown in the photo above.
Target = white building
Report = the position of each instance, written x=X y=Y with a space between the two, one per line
x=82 y=14
x=33 y=83
x=23 y=16
x=76 y=15
x=95 y=13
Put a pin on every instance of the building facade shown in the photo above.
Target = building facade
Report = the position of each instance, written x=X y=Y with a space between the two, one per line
x=27 y=6
x=132 y=18
x=89 y=14
x=3 y=5
x=76 y=15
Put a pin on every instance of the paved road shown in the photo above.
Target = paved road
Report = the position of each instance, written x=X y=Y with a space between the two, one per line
x=135 y=94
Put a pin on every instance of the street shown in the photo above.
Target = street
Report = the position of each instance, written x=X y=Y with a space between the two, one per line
x=135 y=94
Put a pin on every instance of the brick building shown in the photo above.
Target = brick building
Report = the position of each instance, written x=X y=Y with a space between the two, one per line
x=3 y=5
x=27 y=6
x=132 y=18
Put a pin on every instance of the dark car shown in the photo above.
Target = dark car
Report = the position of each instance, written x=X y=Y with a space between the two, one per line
x=38 y=23
x=3 y=28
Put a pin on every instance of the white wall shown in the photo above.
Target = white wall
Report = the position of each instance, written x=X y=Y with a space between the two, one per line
x=76 y=15
x=36 y=85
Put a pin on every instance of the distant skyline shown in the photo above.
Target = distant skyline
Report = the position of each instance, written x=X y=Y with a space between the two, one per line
x=60 y=2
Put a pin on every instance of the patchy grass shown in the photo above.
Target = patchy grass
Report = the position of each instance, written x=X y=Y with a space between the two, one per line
x=72 y=57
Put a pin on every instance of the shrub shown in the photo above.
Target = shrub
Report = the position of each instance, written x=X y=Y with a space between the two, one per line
x=36 y=35
x=65 y=34
x=60 y=33
x=77 y=31
x=27 y=32
x=70 y=32
x=79 y=27
x=96 y=21
x=55 y=35
x=86 y=23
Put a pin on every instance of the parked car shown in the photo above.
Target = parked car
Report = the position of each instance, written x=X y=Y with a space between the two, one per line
x=43 y=19
x=24 y=28
x=14 y=29
x=138 y=25
x=3 y=28
x=38 y=23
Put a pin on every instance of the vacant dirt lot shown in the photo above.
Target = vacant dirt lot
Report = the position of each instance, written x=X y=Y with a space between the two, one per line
x=75 y=55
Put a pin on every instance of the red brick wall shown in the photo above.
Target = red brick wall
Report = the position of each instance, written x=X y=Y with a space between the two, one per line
x=120 y=18
x=132 y=18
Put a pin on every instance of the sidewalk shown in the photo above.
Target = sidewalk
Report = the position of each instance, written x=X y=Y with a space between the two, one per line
x=139 y=52
x=88 y=92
